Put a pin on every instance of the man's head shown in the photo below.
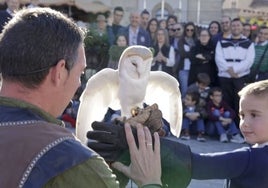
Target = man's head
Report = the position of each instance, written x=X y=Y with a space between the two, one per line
x=101 y=22
x=226 y=24
x=247 y=30
x=40 y=47
x=263 y=34
x=236 y=27
x=178 y=30
x=134 y=19
x=118 y=15
x=145 y=17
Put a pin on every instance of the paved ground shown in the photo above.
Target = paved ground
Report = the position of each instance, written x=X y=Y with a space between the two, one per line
x=211 y=145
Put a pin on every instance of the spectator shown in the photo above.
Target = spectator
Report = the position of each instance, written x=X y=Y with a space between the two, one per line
x=193 y=116
x=260 y=67
x=178 y=32
x=113 y=24
x=145 y=17
x=214 y=28
x=221 y=118
x=116 y=50
x=203 y=60
x=163 y=23
x=234 y=57
x=164 y=55
x=6 y=15
x=171 y=20
x=247 y=31
x=136 y=35
x=97 y=46
x=152 y=29
x=202 y=87
x=182 y=68
x=225 y=30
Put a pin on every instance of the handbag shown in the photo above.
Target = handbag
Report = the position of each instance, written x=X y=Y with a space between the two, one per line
x=254 y=72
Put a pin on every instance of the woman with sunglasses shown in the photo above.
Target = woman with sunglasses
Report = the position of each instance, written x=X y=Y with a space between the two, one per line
x=182 y=67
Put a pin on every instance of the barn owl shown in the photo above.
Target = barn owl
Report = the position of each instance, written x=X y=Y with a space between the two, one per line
x=131 y=85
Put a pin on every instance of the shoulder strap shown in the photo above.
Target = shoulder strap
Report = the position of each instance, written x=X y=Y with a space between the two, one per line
x=256 y=70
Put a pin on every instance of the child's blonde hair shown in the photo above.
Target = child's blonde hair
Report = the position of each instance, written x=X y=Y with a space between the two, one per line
x=259 y=88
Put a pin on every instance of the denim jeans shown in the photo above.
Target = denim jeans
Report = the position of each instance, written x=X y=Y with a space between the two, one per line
x=228 y=129
x=197 y=125
x=183 y=80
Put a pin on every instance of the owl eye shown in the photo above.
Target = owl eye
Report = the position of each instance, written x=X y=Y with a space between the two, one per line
x=134 y=63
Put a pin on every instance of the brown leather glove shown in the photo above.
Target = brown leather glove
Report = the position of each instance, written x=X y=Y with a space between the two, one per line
x=150 y=116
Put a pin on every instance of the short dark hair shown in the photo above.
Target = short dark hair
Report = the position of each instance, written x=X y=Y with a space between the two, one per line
x=203 y=78
x=119 y=8
x=145 y=12
x=214 y=89
x=263 y=27
x=194 y=95
x=236 y=20
x=172 y=17
x=35 y=40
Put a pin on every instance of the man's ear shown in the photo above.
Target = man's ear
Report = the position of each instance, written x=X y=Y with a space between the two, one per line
x=58 y=72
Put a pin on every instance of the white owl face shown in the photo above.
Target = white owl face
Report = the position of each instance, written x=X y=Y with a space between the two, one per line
x=135 y=67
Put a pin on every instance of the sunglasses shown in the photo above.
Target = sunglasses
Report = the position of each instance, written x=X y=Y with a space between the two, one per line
x=192 y=30
x=177 y=29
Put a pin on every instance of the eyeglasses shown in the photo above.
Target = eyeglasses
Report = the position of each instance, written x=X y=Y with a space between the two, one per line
x=177 y=29
x=192 y=30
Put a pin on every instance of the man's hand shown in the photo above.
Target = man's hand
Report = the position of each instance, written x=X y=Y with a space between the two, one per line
x=230 y=70
x=108 y=140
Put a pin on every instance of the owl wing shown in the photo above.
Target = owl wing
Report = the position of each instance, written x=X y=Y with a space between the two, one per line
x=100 y=93
x=163 y=89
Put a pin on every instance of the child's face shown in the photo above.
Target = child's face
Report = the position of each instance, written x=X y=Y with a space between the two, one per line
x=202 y=86
x=216 y=97
x=254 y=118
x=188 y=101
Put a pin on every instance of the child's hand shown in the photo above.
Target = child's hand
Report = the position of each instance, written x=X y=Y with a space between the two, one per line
x=193 y=115
x=225 y=121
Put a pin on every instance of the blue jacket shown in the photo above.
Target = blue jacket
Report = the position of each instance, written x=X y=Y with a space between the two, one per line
x=143 y=36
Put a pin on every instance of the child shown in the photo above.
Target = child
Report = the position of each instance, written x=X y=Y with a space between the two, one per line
x=202 y=87
x=221 y=116
x=193 y=117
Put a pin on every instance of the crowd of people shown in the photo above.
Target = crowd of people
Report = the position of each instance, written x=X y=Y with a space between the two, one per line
x=225 y=53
